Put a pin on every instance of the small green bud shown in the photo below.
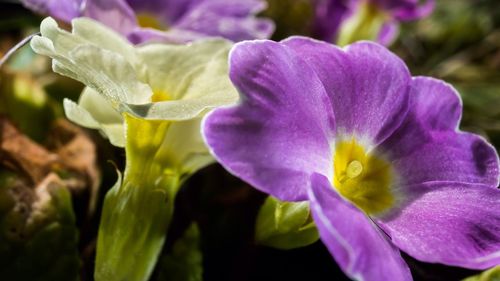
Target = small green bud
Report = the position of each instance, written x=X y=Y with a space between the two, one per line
x=285 y=225
x=492 y=274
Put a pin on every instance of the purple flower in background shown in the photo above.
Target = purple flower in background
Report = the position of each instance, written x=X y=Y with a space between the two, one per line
x=328 y=17
x=377 y=153
x=333 y=15
x=166 y=20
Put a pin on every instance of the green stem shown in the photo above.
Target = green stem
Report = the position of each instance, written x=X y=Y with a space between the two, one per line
x=137 y=211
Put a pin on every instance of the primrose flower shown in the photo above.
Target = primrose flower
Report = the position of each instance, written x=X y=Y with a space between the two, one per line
x=375 y=151
x=166 y=20
x=149 y=99
x=346 y=21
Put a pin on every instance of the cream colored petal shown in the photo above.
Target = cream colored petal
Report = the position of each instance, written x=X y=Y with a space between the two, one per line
x=184 y=146
x=180 y=109
x=86 y=31
x=81 y=116
x=194 y=77
x=115 y=133
x=109 y=74
x=58 y=67
x=184 y=64
x=104 y=37
x=106 y=71
x=99 y=107
x=62 y=41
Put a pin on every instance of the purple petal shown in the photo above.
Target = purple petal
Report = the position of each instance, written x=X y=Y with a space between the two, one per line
x=187 y=20
x=328 y=17
x=405 y=10
x=280 y=132
x=367 y=84
x=436 y=103
x=427 y=146
x=173 y=35
x=234 y=20
x=395 y=4
x=451 y=223
x=113 y=13
x=419 y=156
x=64 y=10
x=169 y=11
x=359 y=247
x=415 y=11
x=388 y=33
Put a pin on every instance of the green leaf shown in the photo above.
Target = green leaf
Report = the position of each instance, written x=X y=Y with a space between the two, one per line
x=184 y=263
x=38 y=235
x=285 y=225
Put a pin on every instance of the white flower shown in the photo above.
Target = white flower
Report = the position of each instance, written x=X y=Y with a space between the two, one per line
x=175 y=83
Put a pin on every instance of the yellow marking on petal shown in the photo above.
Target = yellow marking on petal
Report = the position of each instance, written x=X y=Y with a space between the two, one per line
x=160 y=96
x=363 y=178
x=150 y=21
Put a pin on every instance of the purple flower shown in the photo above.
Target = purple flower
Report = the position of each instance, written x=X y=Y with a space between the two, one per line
x=166 y=20
x=377 y=153
x=333 y=15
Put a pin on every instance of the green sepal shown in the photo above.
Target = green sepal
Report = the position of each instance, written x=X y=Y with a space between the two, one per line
x=138 y=209
x=184 y=262
x=492 y=274
x=132 y=231
x=285 y=225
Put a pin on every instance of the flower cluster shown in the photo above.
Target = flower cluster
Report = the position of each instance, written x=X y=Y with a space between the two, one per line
x=347 y=145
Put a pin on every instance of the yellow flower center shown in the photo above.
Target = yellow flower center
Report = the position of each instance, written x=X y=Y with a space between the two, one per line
x=160 y=96
x=150 y=21
x=363 y=177
x=354 y=169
